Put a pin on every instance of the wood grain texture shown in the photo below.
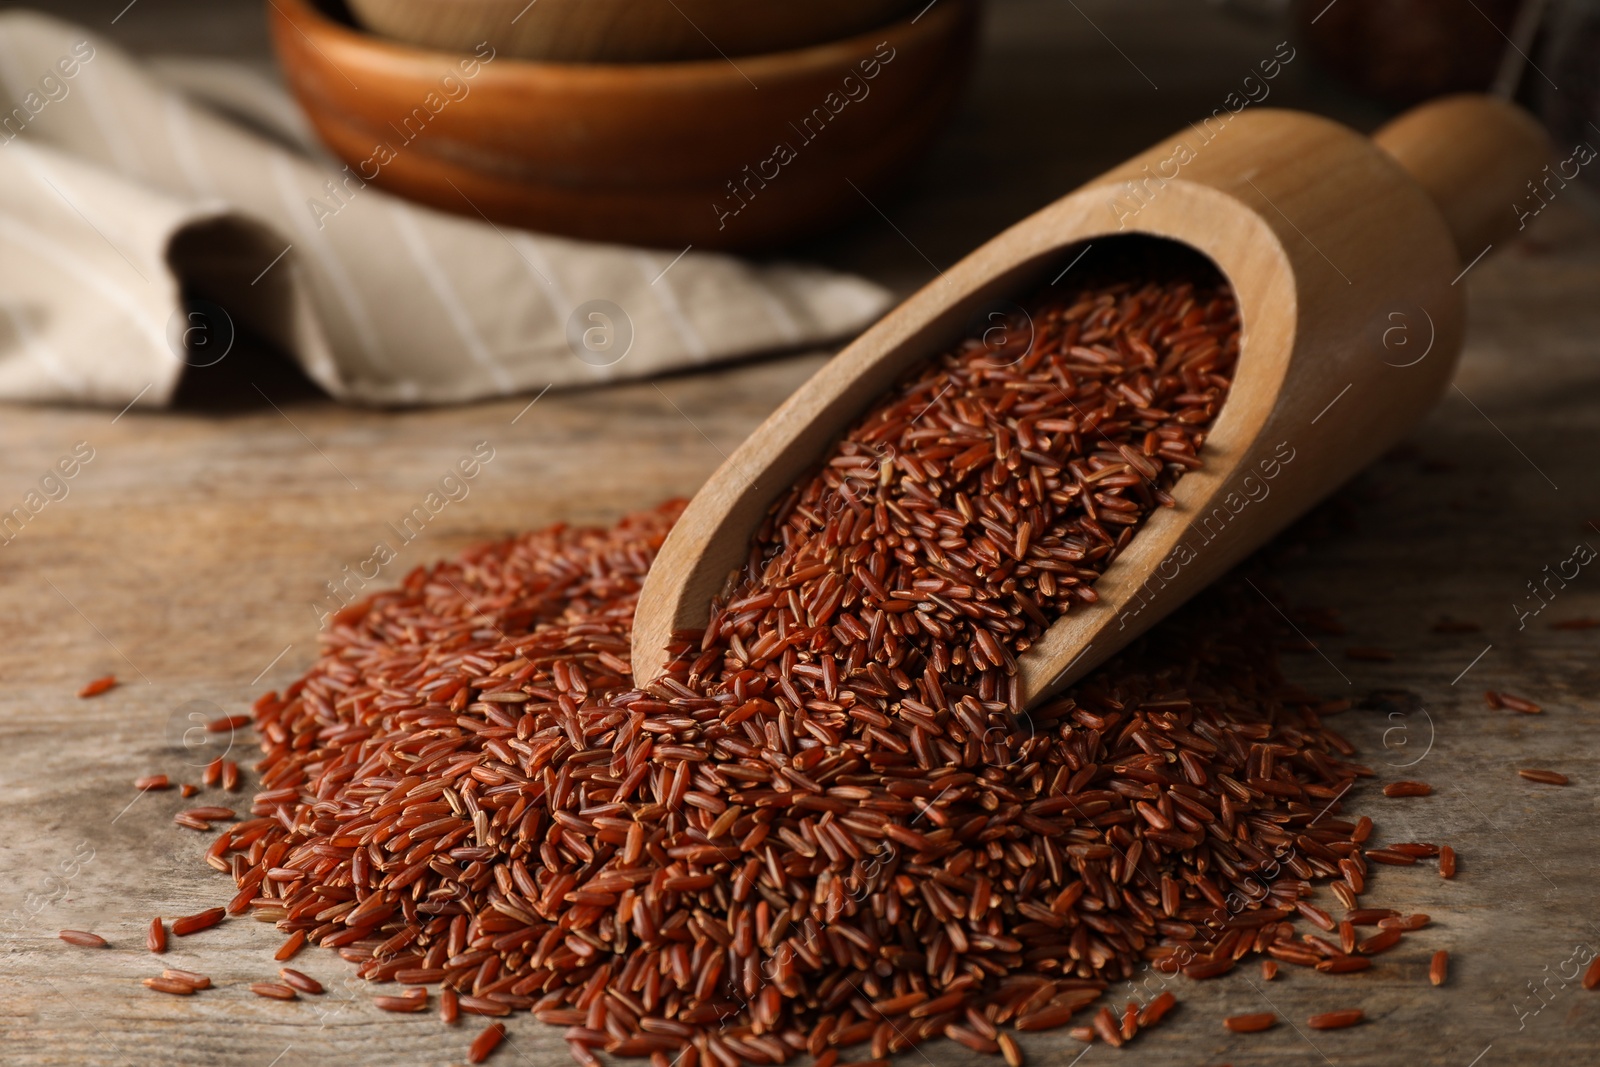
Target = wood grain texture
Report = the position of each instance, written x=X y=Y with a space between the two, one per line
x=1470 y=153
x=196 y=542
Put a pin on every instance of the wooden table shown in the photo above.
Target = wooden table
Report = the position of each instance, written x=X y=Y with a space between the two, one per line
x=191 y=549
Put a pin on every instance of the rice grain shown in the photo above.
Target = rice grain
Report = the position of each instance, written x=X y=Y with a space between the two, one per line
x=83 y=939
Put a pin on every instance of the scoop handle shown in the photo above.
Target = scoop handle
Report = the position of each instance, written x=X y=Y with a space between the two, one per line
x=1476 y=156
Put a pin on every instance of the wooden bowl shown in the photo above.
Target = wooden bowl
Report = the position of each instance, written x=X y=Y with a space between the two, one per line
x=1406 y=51
x=624 y=31
x=718 y=153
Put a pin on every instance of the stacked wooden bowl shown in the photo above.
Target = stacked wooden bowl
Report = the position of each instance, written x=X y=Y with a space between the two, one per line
x=617 y=131
x=625 y=31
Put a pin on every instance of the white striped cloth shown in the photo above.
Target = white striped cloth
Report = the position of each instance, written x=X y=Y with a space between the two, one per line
x=125 y=185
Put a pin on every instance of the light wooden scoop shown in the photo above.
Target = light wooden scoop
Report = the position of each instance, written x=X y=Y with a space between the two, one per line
x=1347 y=257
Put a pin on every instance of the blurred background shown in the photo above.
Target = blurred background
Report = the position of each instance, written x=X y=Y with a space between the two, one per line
x=1055 y=92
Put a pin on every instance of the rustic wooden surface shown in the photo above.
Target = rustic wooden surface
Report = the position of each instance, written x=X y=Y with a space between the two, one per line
x=190 y=550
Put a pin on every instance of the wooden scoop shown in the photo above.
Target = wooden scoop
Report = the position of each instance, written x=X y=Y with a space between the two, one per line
x=1346 y=256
